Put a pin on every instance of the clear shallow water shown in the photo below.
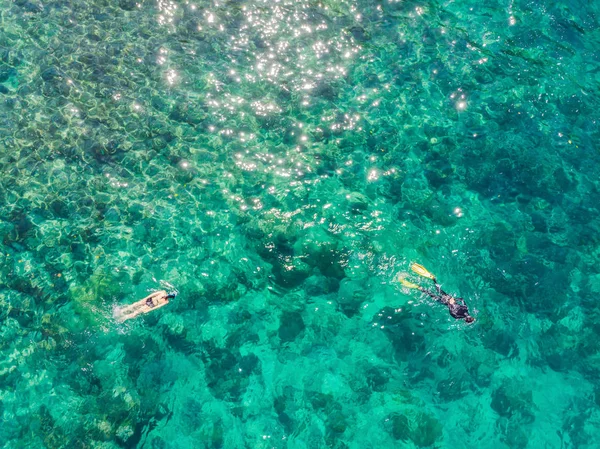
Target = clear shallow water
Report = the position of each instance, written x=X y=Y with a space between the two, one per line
x=278 y=163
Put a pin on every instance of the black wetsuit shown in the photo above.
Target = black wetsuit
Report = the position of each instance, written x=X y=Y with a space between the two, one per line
x=458 y=309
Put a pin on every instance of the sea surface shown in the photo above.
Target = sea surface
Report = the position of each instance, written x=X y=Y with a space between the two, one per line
x=277 y=164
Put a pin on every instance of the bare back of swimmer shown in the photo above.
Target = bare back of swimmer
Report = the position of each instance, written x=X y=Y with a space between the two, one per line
x=151 y=302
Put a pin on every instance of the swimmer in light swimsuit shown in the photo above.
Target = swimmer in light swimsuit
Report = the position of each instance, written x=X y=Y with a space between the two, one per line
x=151 y=302
x=456 y=306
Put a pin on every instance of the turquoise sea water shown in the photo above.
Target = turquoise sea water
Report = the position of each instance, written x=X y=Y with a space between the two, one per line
x=278 y=163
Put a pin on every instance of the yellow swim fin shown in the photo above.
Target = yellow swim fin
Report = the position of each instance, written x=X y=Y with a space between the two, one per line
x=422 y=271
x=408 y=284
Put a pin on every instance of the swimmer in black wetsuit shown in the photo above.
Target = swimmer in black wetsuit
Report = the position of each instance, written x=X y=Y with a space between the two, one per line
x=457 y=306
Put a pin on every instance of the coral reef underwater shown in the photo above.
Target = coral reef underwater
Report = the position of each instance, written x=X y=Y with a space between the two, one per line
x=278 y=163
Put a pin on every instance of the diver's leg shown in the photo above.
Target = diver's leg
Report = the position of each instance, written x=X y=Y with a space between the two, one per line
x=127 y=316
x=432 y=294
x=127 y=312
x=125 y=309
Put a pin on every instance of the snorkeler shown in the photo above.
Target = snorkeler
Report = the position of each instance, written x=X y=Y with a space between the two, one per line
x=151 y=302
x=457 y=306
